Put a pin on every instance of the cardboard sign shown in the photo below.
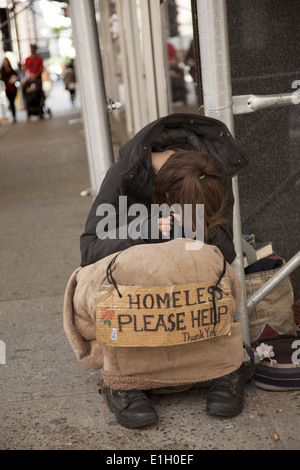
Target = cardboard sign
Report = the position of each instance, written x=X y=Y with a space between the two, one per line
x=162 y=316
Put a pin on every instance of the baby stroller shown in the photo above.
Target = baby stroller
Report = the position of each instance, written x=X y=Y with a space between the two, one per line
x=35 y=99
x=178 y=87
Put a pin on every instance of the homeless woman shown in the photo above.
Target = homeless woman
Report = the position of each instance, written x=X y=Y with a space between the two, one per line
x=167 y=317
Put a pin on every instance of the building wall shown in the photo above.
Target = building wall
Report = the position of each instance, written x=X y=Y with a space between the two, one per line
x=22 y=32
x=264 y=37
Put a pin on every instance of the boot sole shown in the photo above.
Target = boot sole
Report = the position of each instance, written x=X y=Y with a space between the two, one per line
x=138 y=423
x=218 y=409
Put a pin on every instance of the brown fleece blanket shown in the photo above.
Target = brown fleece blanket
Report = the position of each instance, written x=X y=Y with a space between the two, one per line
x=145 y=367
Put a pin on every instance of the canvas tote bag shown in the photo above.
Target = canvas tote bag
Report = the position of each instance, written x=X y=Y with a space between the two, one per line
x=274 y=314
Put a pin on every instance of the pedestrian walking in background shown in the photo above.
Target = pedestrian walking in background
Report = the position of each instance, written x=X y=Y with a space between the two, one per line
x=69 y=79
x=9 y=76
x=33 y=66
x=32 y=85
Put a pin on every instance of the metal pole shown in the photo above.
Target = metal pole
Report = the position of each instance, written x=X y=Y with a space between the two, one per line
x=94 y=101
x=250 y=103
x=157 y=14
x=149 y=64
x=215 y=65
x=217 y=100
x=135 y=65
x=285 y=271
x=125 y=69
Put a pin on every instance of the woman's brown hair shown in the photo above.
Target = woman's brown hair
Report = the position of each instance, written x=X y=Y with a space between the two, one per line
x=191 y=177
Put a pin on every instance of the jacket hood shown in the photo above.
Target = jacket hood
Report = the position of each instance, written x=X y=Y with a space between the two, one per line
x=204 y=134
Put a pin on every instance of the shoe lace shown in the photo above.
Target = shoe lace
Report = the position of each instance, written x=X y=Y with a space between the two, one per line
x=133 y=395
x=228 y=382
x=129 y=397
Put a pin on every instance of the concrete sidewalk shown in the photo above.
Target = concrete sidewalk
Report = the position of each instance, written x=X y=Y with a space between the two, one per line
x=49 y=400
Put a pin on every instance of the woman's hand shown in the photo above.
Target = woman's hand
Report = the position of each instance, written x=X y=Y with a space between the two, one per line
x=165 y=225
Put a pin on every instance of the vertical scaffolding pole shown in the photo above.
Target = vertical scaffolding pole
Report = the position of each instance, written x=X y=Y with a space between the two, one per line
x=154 y=51
x=157 y=13
x=217 y=100
x=149 y=63
x=125 y=69
x=94 y=101
x=137 y=80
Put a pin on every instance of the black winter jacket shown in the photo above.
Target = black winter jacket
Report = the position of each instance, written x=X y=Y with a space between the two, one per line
x=133 y=176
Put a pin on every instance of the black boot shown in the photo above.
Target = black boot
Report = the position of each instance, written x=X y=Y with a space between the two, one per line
x=226 y=396
x=132 y=408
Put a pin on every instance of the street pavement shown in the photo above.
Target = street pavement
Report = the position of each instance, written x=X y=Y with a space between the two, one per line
x=49 y=400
